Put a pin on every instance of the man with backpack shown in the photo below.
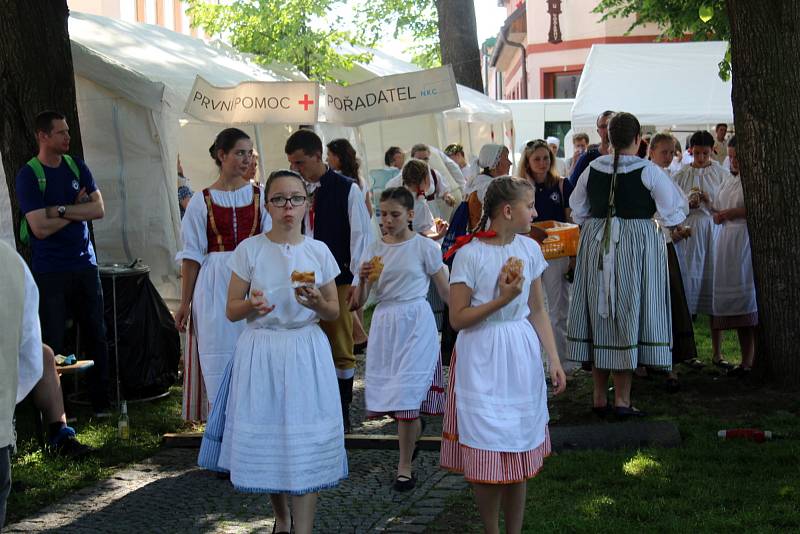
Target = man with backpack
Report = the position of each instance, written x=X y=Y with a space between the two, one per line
x=58 y=195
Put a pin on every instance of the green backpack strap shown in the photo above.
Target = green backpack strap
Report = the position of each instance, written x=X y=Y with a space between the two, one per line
x=72 y=165
x=38 y=171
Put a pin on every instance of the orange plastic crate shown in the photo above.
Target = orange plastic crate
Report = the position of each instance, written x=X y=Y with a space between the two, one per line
x=562 y=239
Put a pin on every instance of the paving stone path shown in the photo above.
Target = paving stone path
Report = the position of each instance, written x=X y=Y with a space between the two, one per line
x=168 y=493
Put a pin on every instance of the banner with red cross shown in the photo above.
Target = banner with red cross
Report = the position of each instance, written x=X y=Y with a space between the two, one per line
x=254 y=102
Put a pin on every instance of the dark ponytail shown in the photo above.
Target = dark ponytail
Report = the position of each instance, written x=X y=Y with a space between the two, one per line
x=225 y=141
x=622 y=131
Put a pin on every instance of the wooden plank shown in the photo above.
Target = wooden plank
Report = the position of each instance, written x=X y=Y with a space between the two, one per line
x=607 y=436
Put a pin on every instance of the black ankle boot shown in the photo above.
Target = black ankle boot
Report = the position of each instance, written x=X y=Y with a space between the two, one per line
x=346 y=395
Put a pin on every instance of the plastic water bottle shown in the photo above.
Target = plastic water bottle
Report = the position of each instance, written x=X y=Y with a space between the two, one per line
x=123 y=428
x=752 y=434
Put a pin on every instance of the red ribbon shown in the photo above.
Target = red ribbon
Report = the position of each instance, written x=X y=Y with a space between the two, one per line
x=464 y=239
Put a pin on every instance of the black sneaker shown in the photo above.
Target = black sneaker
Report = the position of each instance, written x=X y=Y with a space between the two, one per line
x=67 y=445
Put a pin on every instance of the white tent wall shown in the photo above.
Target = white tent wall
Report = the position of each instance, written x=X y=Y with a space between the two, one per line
x=126 y=147
x=666 y=85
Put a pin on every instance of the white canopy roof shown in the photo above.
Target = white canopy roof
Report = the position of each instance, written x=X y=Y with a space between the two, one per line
x=167 y=59
x=669 y=85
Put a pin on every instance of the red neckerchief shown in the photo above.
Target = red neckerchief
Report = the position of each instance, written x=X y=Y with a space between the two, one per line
x=464 y=239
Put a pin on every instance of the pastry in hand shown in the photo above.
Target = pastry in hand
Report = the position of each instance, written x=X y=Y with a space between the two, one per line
x=303 y=278
x=513 y=268
x=377 y=268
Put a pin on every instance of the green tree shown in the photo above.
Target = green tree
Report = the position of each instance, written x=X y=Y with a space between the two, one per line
x=303 y=33
x=444 y=33
x=765 y=113
x=417 y=18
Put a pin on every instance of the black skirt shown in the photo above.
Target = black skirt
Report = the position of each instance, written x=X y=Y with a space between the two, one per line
x=683 y=346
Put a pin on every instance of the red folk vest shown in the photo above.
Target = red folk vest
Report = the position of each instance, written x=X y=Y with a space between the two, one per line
x=222 y=234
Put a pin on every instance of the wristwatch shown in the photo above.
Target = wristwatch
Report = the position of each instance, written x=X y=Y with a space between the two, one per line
x=62 y=210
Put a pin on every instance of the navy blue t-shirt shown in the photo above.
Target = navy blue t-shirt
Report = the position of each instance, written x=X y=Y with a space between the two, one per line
x=582 y=165
x=69 y=249
x=549 y=203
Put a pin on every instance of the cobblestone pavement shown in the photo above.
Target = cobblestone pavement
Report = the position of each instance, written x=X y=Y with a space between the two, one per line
x=168 y=493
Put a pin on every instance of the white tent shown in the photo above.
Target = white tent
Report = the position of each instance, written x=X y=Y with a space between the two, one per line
x=666 y=85
x=477 y=121
x=132 y=81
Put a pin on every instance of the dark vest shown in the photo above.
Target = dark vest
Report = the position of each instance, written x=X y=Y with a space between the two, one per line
x=332 y=220
x=631 y=199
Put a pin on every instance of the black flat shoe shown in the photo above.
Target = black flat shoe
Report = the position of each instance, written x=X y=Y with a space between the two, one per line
x=291 y=526
x=739 y=372
x=404 y=483
x=625 y=412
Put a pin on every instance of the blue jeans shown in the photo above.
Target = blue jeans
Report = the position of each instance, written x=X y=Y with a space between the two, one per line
x=77 y=295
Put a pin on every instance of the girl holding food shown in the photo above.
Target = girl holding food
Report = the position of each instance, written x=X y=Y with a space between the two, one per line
x=277 y=426
x=404 y=366
x=496 y=419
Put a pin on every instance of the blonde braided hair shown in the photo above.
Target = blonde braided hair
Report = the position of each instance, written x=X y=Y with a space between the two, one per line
x=501 y=190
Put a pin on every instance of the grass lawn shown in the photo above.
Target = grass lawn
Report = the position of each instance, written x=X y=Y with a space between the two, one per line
x=706 y=485
x=40 y=479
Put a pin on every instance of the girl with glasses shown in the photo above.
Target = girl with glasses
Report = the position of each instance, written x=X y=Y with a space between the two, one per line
x=277 y=427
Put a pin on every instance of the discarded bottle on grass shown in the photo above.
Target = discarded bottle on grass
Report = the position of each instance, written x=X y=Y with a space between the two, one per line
x=752 y=434
x=123 y=428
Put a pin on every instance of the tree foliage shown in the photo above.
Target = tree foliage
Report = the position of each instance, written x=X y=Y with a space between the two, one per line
x=702 y=20
x=415 y=18
x=303 y=33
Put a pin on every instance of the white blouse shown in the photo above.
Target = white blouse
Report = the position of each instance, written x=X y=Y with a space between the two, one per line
x=268 y=267
x=407 y=268
x=193 y=225
x=478 y=265
x=707 y=179
x=671 y=206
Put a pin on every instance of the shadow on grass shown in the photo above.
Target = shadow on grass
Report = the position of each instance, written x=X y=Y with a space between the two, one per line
x=706 y=485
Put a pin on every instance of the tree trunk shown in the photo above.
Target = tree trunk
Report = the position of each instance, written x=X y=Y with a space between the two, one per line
x=766 y=116
x=458 y=39
x=35 y=74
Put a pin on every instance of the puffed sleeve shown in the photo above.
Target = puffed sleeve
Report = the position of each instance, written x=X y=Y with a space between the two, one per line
x=193 y=231
x=431 y=256
x=672 y=206
x=240 y=262
x=536 y=263
x=579 y=200
x=369 y=252
x=464 y=271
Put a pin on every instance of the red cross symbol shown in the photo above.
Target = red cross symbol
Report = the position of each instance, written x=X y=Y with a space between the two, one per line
x=305 y=102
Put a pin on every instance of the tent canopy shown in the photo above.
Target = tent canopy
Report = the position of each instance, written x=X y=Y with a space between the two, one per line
x=666 y=85
x=165 y=58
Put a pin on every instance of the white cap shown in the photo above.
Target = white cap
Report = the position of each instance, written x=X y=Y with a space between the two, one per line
x=553 y=141
x=490 y=155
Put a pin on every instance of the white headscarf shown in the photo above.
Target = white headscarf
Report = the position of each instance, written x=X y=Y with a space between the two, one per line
x=489 y=156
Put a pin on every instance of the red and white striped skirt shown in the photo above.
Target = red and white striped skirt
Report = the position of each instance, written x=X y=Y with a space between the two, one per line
x=432 y=405
x=482 y=466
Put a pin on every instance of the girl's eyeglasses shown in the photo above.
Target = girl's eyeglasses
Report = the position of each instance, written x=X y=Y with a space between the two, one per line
x=280 y=202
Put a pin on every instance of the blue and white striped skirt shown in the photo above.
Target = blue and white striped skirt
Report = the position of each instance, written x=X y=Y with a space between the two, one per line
x=640 y=332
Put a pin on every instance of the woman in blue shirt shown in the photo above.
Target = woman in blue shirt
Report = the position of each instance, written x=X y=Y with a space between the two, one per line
x=552 y=192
